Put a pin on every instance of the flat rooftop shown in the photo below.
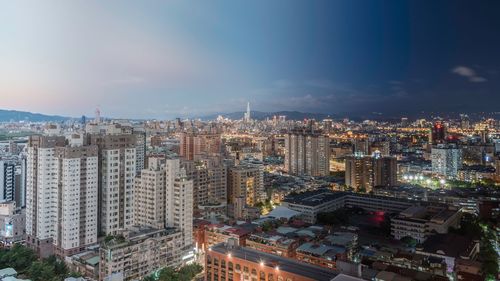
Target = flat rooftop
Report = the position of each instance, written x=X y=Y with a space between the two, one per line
x=314 y=198
x=285 y=264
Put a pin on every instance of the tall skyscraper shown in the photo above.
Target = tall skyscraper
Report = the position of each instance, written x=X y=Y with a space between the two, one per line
x=446 y=160
x=62 y=195
x=247 y=116
x=307 y=154
x=117 y=165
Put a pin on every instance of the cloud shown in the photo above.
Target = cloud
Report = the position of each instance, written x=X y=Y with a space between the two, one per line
x=469 y=73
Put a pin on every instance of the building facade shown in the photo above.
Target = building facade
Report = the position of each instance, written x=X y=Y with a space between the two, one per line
x=62 y=195
x=307 y=154
x=117 y=153
x=446 y=160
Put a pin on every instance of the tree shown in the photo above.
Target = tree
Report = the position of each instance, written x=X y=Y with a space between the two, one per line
x=409 y=241
x=41 y=271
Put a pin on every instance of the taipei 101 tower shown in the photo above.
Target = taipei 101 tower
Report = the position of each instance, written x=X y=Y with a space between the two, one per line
x=247 y=114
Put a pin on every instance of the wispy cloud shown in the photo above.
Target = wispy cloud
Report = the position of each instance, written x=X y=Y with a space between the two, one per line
x=468 y=73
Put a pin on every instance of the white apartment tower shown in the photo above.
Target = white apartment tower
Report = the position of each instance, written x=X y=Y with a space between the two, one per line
x=149 y=195
x=307 y=154
x=179 y=200
x=117 y=156
x=61 y=196
x=446 y=160
x=164 y=198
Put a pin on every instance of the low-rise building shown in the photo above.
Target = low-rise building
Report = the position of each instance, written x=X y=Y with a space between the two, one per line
x=420 y=222
x=311 y=203
x=12 y=223
x=272 y=244
x=140 y=252
x=450 y=247
x=321 y=254
x=219 y=233
x=226 y=261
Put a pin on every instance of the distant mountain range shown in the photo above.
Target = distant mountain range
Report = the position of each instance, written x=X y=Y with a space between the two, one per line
x=15 y=115
x=259 y=115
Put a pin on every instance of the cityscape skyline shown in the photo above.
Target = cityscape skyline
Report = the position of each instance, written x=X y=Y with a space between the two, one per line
x=328 y=57
x=284 y=140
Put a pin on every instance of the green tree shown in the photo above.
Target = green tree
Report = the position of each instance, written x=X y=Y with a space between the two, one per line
x=41 y=271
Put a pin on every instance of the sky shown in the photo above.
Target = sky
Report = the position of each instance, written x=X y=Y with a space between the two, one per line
x=166 y=59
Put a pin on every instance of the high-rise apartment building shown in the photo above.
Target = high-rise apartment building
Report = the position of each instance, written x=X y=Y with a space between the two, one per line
x=193 y=145
x=7 y=181
x=164 y=198
x=62 y=195
x=359 y=172
x=149 y=195
x=385 y=171
x=209 y=175
x=367 y=172
x=117 y=165
x=446 y=160
x=307 y=154
x=140 y=149
x=179 y=200
x=246 y=181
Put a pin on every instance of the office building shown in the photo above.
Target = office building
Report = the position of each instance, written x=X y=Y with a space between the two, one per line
x=307 y=154
x=446 y=160
x=247 y=116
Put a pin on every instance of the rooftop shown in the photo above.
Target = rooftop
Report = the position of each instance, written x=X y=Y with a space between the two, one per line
x=285 y=264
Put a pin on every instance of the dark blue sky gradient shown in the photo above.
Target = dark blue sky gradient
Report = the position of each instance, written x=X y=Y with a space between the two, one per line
x=191 y=58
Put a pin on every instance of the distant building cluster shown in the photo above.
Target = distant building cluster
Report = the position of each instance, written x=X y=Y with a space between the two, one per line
x=250 y=199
